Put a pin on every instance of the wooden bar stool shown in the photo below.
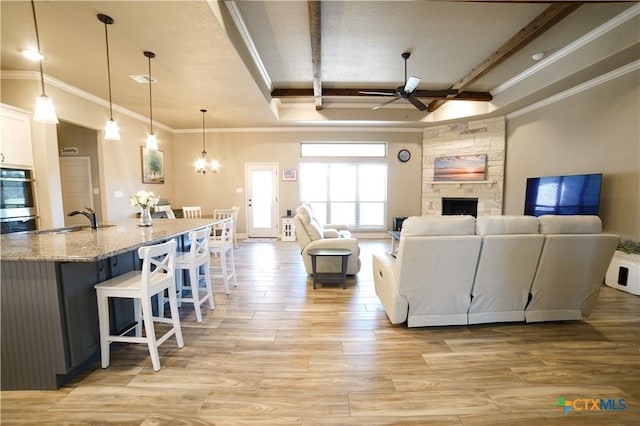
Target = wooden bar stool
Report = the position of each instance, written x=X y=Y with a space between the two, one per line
x=156 y=276
x=194 y=260
x=221 y=246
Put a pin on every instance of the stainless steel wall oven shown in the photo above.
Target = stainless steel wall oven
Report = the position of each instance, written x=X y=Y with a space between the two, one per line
x=17 y=200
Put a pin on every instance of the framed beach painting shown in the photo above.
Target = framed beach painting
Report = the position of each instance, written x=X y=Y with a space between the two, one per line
x=152 y=165
x=460 y=168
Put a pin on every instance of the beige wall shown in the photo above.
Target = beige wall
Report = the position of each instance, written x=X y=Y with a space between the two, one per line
x=596 y=131
x=119 y=161
x=235 y=149
x=86 y=141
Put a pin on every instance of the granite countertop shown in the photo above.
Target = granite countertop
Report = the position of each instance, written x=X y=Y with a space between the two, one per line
x=90 y=245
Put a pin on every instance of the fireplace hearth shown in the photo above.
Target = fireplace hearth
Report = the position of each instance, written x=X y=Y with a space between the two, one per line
x=460 y=206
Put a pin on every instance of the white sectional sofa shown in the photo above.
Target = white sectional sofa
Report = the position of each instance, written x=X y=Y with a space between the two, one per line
x=458 y=270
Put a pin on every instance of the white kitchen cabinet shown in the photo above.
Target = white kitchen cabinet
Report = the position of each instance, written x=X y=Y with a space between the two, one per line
x=15 y=137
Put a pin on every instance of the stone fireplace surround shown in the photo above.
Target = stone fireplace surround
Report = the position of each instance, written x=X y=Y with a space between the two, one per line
x=465 y=138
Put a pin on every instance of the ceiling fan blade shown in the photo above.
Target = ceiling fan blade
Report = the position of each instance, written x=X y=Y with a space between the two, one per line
x=416 y=103
x=386 y=103
x=411 y=85
x=368 y=92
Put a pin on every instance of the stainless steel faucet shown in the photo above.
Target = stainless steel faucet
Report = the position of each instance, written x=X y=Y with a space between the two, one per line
x=89 y=213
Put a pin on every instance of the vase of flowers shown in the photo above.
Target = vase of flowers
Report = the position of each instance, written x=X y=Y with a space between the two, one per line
x=145 y=200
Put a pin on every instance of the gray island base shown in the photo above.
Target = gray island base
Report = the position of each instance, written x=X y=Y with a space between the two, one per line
x=49 y=317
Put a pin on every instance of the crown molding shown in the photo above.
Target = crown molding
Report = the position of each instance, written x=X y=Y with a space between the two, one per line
x=232 y=7
x=598 y=32
x=612 y=75
x=316 y=128
x=34 y=75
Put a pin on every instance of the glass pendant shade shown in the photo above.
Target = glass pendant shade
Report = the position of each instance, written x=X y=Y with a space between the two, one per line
x=45 y=112
x=111 y=131
x=152 y=142
x=201 y=164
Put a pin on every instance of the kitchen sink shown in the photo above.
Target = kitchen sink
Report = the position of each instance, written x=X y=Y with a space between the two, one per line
x=68 y=229
x=60 y=230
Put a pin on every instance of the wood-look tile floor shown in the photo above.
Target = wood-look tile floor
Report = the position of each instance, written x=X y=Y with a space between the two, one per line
x=276 y=352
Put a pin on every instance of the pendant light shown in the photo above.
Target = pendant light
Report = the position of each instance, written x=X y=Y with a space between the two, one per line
x=201 y=163
x=111 y=129
x=152 y=142
x=45 y=112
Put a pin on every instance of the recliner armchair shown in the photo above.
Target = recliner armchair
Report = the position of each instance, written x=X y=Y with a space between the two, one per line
x=312 y=235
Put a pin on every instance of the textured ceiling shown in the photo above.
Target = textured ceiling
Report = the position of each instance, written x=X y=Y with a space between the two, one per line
x=203 y=62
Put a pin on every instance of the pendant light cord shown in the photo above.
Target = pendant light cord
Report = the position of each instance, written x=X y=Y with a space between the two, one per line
x=204 y=151
x=150 y=102
x=106 y=38
x=35 y=22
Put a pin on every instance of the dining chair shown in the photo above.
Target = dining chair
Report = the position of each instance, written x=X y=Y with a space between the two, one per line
x=156 y=276
x=191 y=212
x=229 y=213
x=197 y=261
x=221 y=246
x=166 y=208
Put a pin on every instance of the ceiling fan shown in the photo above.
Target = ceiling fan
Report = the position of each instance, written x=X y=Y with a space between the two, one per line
x=408 y=90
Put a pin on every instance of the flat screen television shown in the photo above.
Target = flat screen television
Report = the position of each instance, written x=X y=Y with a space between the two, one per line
x=563 y=195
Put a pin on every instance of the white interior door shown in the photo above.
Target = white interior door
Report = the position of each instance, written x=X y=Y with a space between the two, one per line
x=75 y=176
x=262 y=200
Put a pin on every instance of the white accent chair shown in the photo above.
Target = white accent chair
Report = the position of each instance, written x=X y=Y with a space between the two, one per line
x=221 y=246
x=572 y=267
x=194 y=260
x=156 y=276
x=232 y=213
x=511 y=247
x=311 y=235
x=429 y=281
x=191 y=212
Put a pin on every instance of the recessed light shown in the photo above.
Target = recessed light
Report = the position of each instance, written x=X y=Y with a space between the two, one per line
x=32 y=55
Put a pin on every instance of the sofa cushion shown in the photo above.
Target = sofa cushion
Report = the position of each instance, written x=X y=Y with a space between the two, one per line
x=576 y=224
x=439 y=225
x=506 y=225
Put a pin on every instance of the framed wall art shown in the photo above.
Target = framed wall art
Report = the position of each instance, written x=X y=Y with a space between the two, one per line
x=152 y=165
x=460 y=168
x=289 y=174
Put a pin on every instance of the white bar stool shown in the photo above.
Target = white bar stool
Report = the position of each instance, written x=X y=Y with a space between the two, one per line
x=156 y=276
x=198 y=256
x=221 y=245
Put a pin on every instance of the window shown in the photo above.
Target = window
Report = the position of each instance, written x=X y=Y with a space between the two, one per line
x=352 y=194
x=343 y=149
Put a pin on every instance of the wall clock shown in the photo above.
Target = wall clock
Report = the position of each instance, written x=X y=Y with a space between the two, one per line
x=404 y=155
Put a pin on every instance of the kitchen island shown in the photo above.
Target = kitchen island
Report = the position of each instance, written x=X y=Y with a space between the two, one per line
x=49 y=317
